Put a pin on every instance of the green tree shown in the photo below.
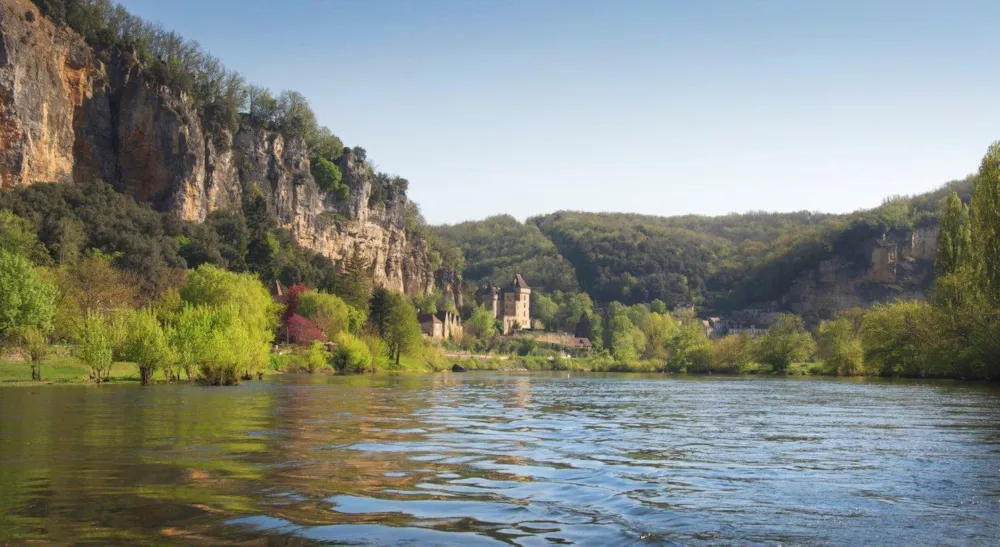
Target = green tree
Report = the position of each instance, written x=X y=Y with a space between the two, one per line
x=730 y=353
x=380 y=309
x=146 y=344
x=190 y=338
x=379 y=351
x=328 y=178
x=624 y=339
x=329 y=313
x=35 y=346
x=786 y=342
x=95 y=346
x=324 y=144
x=955 y=237
x=573 y=308
x=897 y=338
x=354 y=284
x=589 y=326
x=17 y=236
x=403 y=333
x=262 y=246
x=93 y=283
x=658 y=306
x=481 y=324
x=840 y=348
x=690 y=348
x=212 y=286
x=985 y=212
x=427 y=303
x=27 y=302
x=294 y=116
x=544 y=309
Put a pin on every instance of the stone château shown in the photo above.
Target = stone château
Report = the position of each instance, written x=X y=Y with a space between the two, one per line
x=511 y=305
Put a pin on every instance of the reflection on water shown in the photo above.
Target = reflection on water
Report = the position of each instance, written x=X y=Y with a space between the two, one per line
x=482 y=459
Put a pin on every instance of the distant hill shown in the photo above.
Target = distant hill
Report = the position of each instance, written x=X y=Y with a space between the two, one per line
x=717 y=263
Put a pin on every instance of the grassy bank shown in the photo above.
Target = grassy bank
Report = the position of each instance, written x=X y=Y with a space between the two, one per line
x=63 y=370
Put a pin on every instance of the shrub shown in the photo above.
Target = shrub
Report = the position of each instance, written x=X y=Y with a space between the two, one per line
x=303 y=331
x=316 y=358
x=352 y=355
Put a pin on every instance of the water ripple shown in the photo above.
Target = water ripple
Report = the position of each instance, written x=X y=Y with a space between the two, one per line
x=526 y=460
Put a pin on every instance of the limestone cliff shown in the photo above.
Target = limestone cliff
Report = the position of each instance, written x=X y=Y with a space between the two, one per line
x=901 y=266
x=68 y=115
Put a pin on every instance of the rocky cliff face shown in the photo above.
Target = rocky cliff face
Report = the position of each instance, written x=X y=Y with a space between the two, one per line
x=66 y=115
x=901 y=268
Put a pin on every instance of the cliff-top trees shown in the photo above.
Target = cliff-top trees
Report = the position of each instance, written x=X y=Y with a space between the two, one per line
x=325 y=149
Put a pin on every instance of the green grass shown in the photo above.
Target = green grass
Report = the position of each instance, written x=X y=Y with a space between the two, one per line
x=64 y=369
x=408 y=363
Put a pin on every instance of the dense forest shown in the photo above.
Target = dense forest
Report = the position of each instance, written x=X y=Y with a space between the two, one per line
x=716 y=263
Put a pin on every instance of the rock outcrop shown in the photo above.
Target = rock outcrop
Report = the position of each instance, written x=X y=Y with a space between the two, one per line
x=68 y=115
x=901 y=268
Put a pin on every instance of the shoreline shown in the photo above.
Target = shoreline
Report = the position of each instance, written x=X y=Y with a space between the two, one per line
x=61 y=373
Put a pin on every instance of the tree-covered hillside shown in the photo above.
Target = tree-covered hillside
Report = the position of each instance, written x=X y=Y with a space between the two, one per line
x=718 y=262
x=499 y=247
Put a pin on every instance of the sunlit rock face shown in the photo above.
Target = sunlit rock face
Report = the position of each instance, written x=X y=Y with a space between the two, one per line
x=66 y=115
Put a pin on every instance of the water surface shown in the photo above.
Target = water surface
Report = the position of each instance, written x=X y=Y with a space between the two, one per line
x=492 y=459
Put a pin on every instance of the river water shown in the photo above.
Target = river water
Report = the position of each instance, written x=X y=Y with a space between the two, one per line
x=490 y=459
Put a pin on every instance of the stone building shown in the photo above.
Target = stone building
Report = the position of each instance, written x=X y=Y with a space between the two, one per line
x=431 y=326
x=512 y=305
x=441 y=326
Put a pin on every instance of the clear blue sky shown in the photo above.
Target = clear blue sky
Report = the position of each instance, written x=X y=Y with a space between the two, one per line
x=661 y=107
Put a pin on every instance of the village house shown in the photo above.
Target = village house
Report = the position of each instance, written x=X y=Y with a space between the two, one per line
x=511 y=305
x=441 y=326
x=753 y=322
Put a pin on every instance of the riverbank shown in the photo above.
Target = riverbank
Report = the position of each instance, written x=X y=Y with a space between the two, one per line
x=66 y=369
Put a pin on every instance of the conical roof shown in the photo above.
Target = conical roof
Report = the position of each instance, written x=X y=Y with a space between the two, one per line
x=519 y=283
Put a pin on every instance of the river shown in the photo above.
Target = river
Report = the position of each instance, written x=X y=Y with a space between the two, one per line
x=490 y=459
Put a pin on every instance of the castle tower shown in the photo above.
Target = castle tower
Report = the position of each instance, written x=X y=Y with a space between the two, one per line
x=489 y=297
x=516 y=305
